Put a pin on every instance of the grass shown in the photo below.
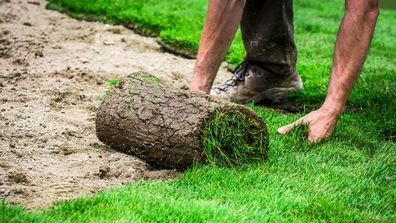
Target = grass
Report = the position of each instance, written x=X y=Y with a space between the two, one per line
x=232 y=138
x=16 y=214
x=348 y=178
x=112 y=83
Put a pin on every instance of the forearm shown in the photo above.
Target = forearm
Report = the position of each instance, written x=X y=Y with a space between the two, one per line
x=220 y=26
x=351 y=49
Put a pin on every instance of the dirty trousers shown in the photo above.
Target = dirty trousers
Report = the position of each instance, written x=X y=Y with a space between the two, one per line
x=268 y=35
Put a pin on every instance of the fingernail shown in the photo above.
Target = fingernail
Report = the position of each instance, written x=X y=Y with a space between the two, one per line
x=280 y=130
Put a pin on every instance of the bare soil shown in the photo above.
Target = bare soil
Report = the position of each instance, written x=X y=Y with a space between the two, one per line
x=52 y=77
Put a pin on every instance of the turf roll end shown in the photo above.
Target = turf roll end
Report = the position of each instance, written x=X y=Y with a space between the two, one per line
x=234 y=136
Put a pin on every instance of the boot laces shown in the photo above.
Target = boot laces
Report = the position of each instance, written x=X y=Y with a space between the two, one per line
x=240 y=72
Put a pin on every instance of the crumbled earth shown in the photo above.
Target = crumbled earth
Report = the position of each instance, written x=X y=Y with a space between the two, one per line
x=52 y=77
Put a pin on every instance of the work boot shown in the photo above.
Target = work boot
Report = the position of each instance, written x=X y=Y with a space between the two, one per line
x=253 y=83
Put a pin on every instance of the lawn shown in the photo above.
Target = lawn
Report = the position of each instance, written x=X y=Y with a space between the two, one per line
x=350 y=177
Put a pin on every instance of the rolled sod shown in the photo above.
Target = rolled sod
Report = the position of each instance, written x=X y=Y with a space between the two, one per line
x=173 y=128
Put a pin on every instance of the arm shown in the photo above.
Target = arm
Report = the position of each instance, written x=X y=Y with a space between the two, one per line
x=351 y=48
x=220 y=27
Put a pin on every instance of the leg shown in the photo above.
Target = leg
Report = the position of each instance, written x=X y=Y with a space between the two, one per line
x=268 y=35
x=269 y=69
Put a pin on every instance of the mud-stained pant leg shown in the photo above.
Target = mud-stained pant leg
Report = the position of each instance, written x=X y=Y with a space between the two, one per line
x=268 y=35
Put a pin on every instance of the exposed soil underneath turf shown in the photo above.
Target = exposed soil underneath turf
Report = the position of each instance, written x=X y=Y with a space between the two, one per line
x=52 y=73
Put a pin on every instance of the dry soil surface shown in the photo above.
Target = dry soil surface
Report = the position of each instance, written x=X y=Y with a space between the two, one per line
x=52 y=77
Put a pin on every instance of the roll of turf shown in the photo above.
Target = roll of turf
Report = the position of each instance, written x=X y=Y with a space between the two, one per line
x=173 y=128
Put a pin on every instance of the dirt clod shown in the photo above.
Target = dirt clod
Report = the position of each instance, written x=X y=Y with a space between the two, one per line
x=39 y=53
x=103 y=171
x=18 y=177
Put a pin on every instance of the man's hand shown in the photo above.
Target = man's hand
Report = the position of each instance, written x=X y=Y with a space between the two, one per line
x=198 y=84
x=320 y=124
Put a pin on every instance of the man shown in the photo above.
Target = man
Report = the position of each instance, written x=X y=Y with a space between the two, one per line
x=269 y=69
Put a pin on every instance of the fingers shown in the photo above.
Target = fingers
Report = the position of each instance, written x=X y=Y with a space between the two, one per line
x=287 y=128
x=318 y=135
x=313 y=138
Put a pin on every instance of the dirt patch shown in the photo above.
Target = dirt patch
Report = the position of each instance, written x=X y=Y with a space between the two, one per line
x=52 y=74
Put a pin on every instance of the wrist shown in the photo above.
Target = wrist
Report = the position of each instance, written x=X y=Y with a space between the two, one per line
x=333 y=107
x=337 y=96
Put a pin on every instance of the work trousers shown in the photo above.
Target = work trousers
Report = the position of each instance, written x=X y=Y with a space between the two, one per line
x=268 y=35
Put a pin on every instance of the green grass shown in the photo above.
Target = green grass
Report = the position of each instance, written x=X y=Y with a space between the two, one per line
x=348 y=178
x=17 y=214
x=112 y=83
x=232 y=138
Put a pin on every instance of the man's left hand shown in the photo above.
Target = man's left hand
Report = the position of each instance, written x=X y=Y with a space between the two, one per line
x=320 y=124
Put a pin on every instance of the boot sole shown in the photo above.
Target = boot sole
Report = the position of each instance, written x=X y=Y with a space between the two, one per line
x=275 y=95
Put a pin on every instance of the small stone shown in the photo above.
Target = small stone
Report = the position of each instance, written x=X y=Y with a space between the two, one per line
x=12 y=145
x=108 y=43
x=84 y=60
x=27 y=24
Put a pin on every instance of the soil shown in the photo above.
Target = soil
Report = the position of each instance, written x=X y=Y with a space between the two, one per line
x=52 y=78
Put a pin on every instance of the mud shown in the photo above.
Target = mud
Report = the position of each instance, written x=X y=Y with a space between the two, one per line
x=52 y=74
